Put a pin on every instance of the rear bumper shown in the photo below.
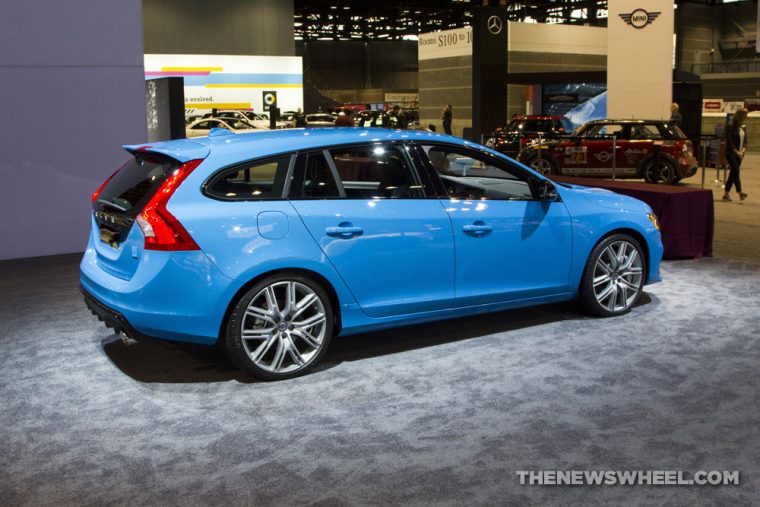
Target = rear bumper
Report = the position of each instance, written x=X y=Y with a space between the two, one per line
x=687 y=166
x=176 y=296
x=111 y=318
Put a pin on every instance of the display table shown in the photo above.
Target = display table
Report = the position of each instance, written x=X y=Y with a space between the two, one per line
x=686 y=214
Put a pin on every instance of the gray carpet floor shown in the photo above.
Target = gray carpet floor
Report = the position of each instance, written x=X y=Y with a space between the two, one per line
x=443 y=414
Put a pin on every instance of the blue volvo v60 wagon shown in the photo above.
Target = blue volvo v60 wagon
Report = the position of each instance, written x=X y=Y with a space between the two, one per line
x=270 y=243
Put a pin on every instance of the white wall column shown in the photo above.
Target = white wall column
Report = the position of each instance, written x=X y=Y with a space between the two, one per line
x=640 y=59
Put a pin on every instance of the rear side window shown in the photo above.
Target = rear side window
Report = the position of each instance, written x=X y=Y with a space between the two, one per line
x=131 y=188
x=672 y=131
x=259 y=179
x=645 y=131
x=318 y=181
x=376 y=171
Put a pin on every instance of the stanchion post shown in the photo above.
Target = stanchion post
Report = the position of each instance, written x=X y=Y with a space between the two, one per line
x=703 y=146
x=614 y=155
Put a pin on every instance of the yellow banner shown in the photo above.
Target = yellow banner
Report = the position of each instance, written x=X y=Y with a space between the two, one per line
x=230 y=85
x=191 y=69
x=217 y=105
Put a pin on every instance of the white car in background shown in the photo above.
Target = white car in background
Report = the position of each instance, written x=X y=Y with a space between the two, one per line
x=203 y=126
x=257 y=120
x=320 y=120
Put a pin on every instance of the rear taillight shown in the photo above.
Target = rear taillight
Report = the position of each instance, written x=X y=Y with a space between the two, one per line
x=161 y=229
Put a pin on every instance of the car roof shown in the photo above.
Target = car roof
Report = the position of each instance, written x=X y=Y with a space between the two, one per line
x=536 y=117
x=231 y=148
x=625 y=121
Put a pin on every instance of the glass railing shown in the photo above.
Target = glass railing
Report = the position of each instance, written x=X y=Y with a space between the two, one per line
x=725 y=67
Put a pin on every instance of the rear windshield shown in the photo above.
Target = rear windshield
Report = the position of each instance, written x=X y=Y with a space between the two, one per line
x=673 y=131
x=132 y=187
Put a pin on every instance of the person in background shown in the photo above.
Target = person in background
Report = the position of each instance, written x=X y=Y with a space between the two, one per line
x=344 y=119
x=675 y=116
x=446 y=117
x=736 y=147
x=402 y=120
x=386 y=121
x=300 y=119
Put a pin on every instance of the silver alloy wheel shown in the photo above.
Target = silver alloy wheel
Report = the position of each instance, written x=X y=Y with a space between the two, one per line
x=617 y=276
x=541 y=166
x=284 y=327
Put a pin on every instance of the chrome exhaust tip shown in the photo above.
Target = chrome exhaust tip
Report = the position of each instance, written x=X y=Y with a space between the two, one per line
x=125 y=339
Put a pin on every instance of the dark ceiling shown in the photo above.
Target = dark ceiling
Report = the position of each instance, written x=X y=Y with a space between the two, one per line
x=378 y=20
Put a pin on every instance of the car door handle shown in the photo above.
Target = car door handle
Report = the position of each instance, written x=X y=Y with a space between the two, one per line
x=478 y=228
x=344 y=230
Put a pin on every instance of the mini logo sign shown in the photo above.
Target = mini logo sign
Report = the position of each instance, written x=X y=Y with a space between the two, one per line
x=639 y=18
x=494 y=25
x=603 y=157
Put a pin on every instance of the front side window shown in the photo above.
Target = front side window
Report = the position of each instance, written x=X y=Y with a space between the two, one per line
x=376 y=172
x=603 y=131
x=261 y=179
x=467 y=174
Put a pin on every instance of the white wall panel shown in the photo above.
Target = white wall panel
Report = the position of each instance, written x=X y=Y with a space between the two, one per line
x=569 y=39
x=640 y=59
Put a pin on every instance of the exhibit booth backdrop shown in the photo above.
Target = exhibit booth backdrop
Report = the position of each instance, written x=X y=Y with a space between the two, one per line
x=445 y=64
x=73 y=90
x=232 y=82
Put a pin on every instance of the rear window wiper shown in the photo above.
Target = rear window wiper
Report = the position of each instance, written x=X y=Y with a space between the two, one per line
x=113 y=205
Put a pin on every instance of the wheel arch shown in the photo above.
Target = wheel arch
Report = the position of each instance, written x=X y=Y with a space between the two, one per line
x=304 y=272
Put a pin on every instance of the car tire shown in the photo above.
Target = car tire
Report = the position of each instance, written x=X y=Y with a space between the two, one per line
x=544 y=166
x=667 y=171
x=280 y=328
x=613 y=278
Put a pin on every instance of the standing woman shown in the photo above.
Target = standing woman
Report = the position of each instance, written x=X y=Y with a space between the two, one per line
x=736 y=147
x=446 y=117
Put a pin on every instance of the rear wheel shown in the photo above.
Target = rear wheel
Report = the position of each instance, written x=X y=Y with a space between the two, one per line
x=280 y=328
x=544 y=165
x=614 y=276
x=666 y=172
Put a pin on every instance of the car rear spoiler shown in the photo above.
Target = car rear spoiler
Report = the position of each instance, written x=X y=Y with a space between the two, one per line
x=181 y=150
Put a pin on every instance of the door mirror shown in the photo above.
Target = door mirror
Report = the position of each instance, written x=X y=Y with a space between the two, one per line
x=547 y=191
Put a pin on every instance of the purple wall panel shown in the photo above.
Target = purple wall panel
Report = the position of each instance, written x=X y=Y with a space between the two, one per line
x=72 y=80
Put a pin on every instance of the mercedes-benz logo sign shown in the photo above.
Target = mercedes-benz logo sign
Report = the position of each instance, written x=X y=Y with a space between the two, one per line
x=494 y=25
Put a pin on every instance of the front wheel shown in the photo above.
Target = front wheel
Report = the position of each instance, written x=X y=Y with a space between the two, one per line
x=614 y=276
x=280 y=328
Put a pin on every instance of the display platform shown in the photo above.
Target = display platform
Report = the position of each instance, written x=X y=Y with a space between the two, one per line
x=686 y=214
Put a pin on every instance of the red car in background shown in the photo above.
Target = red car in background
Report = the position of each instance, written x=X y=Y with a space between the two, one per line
x=654 y=150
x=523 y=129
